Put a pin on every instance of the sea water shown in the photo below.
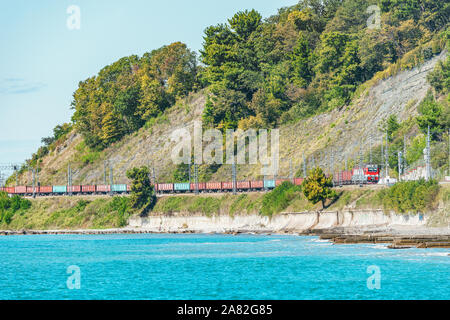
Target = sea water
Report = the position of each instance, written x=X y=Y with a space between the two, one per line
x=165 y=266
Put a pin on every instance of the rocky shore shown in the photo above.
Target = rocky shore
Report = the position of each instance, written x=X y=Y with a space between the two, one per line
x=397 y=239
x=346 y=227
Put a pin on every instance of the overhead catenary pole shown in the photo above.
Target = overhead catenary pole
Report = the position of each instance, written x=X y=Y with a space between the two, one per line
x=105 y=164
x=291 y=171
x=400 y=168
x=304 y=166
x=233 y=169
x=386 y=164
x=189 y=172
x=69 y=180
x=427 y=156
x=405 y=164
x=34 y=183
x=154 y=179
x=110 y=179
x=196 y=178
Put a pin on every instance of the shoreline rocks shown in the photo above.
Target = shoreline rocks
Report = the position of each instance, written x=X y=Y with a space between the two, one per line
x=338 y=236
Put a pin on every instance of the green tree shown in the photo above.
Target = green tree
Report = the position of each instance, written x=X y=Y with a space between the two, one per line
x=301 y=64
x=317 y=187
x=431 y=114
x=142 y=191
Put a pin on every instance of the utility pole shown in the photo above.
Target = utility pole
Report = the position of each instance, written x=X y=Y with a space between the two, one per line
x=405 y=164
x=196 y=177
x=387 y=156
x=361 y=170
x=105 y=163
x=448 y=152
x=234 y=177
x=304 y=166
x=34 y=183
x=370 y=149
x=400 y=167
x=38 y=183
x=154 y=178
x=291 y=171
x=69 y=180
x=427 y=156
x=110 y=179
x=189 y=168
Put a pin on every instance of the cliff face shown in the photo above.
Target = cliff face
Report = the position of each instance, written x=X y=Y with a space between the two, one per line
x=341 y=131
x=287 y=222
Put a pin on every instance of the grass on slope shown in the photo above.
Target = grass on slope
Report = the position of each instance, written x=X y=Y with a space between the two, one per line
x=71 y=213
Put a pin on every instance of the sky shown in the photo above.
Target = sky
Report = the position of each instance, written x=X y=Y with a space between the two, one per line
x=42 y=59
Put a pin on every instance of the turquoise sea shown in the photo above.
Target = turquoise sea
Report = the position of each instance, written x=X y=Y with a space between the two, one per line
x=167 y=266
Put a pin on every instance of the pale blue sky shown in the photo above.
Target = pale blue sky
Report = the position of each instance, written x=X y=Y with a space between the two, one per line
x=42 y=61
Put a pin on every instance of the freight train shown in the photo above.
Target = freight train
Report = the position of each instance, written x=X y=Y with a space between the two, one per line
x=367 y=175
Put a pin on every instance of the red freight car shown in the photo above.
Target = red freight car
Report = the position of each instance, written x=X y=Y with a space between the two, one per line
x=346 y=177
x=20 y=190
x=87 y=189
x=227 y=185
x=213 y=186
x=165 y=187
x=74 y=189
x=257 y=184
x=201 y=186
x=298 y=181
x=103 y=188
x=243 y=185
x=46 y=189
x=280 y=181
x=10 y=190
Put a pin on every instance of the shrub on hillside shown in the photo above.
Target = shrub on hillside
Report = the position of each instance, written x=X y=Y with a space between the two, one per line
x=279 y=198
x=410 y=196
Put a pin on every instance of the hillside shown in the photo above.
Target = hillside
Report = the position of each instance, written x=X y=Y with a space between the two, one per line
x=334 y=83
x=342 y=131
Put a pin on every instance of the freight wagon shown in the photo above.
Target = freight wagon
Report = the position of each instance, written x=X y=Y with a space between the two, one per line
x=119 y=188
x=103 y=188
x=20 y=190
x=279 y=182
x=243 y=185
x=74 y=189
x=31 y=189
x=165 y=187
x=59 y=189
x=46 y=190
x=269 y=184
x=226 y=186
x=213 y=186
x=201 y=186
x=182 y=187
x=88 y=189
x=257 y=185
